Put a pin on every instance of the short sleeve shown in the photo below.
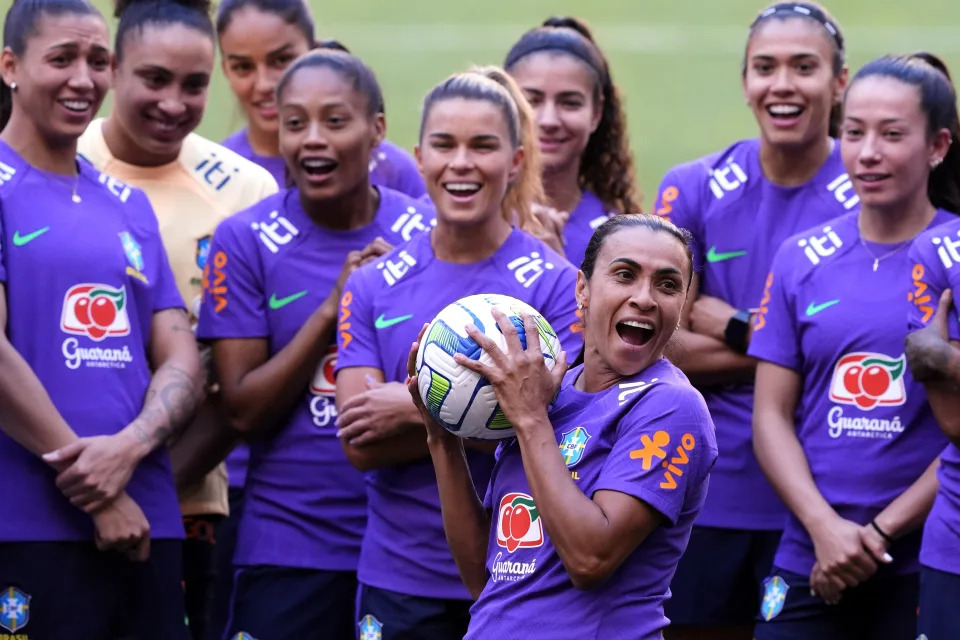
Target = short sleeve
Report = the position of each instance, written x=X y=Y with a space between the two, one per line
x=677 y=201
x=775 y=337
x=662 y=451
x=3 y=261
x=559 y=307
x=234 y=305
x=928 y=280
x=166 y=295
x=356 y=337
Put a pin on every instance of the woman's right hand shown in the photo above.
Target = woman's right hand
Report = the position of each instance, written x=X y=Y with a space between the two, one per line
x=121 y=526
x=840 y=551
x=356 y=259
x=435 y=433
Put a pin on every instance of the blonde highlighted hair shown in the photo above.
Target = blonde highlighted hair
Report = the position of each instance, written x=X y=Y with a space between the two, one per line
x=494 y=85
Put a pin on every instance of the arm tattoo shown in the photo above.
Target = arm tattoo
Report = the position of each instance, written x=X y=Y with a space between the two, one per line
x=170 y=403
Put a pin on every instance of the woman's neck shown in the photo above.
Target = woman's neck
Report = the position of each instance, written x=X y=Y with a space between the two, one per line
x=124 y=147
x=563 y=188
x=22 y=136
x=898 y=222
x=351 y=210
x=263 y=143
x=467 y=244
x=793 y=166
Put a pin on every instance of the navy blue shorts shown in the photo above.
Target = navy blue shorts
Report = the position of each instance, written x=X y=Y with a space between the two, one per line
x=719 y=576
x=57 y=590
x=388 y=615
x=222 y=585
x=939 y=605
x=882 y=608
x=276 y=603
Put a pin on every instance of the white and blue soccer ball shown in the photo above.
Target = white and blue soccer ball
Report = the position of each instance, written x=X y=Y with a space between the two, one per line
x=463 y=402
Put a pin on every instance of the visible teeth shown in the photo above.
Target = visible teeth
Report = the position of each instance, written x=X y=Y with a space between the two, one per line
x=784 y=109
x=465 y=187
x=872 y=178
x=317 y=163
x=76 y=105
x=638 y=325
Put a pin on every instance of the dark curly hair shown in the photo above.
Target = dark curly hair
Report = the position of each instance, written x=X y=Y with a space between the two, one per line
x=606 y=167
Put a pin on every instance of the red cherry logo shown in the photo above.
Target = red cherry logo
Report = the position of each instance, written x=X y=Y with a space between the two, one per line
x=874 y=381
x=865 y=402
x=506 y=523
x=96 y=332
x=81 y=309
x=328 y=368
x=520 y=522
x=851 y=380
x=102 y=312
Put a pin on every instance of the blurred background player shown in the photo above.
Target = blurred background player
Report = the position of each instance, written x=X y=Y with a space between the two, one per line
x=933 y=357
x=164 y=61
x=98 y=366
x=282 y=265
x=586 y=163
x=841 y=429
x=479 y=159
x=603 y=540
x=258 y=40
x=740 y=204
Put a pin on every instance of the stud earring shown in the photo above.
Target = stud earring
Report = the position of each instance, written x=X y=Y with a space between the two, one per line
x=579 y=305
x=13 y=86
x=935 y=163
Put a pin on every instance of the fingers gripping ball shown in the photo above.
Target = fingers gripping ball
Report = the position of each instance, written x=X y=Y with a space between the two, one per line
x=461 y=400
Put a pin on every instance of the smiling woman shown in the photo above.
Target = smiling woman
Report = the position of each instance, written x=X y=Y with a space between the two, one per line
x=590 y=507
x=164 y=59
x=93 y=546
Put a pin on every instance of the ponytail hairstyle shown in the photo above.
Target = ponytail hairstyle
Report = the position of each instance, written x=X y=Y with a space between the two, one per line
x=295 y=12
x=21 y=23
x=135 y=15
x=494 y=85
x=816 y=13
x=336 y=45
x=606 y=167
x=938 y=101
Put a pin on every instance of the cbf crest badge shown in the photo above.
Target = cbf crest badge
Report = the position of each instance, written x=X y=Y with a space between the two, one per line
x=14 y=609
x=203 y=251
x=774 y=597
x=243 y=635
x=573 y=445
x=371 y=628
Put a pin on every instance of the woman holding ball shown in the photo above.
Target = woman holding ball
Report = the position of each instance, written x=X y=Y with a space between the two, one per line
x=596 y=529
x=480 y=165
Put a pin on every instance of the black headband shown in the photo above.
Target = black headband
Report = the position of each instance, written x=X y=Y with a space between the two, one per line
x=786 y=9
x=564 y=39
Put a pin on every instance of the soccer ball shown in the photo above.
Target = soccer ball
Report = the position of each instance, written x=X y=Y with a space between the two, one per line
x=463 y=402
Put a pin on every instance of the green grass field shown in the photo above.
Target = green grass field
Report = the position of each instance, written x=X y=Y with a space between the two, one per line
x=676 y=62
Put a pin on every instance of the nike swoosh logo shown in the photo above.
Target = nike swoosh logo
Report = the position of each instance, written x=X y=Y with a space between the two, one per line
x=279 y=303
x=814 y=309
x=714 y=256
x=383 y=323
x=19 y=240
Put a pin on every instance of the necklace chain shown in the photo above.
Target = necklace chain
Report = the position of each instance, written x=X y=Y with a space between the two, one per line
x=877 y=260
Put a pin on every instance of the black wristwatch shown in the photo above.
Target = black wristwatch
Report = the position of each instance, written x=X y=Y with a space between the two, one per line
x=737 y=331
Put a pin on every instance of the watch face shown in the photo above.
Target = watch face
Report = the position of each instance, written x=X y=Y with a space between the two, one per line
x=737 y=330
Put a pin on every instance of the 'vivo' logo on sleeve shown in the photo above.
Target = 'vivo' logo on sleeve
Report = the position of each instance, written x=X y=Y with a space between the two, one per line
x=817 y=247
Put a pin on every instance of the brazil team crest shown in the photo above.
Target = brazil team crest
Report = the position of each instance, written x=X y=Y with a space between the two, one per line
x=203 y=251
x=14 y=609
x=573 y=445
x=370 y=628
x=243 y=636
x=774 y=597
x=132 y=248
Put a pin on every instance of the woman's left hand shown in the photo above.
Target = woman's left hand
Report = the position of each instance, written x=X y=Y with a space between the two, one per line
x=520 y=378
